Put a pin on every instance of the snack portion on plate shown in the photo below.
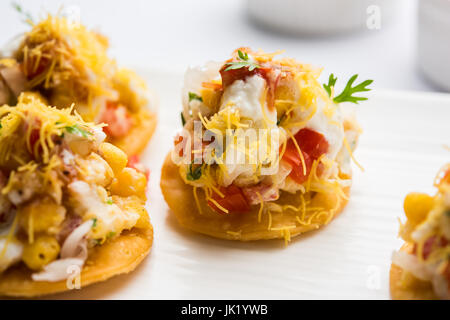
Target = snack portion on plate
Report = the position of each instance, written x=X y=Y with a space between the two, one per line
x=67 y=63
x=70 y=208
x=421 y=268
x=265 y=151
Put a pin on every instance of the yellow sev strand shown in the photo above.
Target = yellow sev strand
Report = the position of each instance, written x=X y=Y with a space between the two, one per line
x=196 y=200
x=10 y=235
x=347 y=146
x=270 y=220
x=203 y=120
x=298 y=150
x=31 y=228
x=287 y=236
x=261 y=206
x=218 y=205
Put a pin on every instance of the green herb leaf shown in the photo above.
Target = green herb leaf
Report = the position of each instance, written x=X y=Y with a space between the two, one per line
x=194 y=96
x=94 y=222
x=109 y=200
x=243 y=63
x=347 y=95
x=195 y=174
x=110 y=234
x=243 y=55
x=78 y=131
x=27 y=16
x=183 y=121
x=331 y=82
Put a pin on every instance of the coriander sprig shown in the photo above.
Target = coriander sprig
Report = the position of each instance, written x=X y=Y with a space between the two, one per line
x=347 y=95
x=194 y=174
x=242 y=63
x=194 y=96
x=27 y=16
x=331 y=82
x=75 y=129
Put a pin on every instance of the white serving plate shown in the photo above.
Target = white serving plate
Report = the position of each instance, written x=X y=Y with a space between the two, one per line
x=402 y=148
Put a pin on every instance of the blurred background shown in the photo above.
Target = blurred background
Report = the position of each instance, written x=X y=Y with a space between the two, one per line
x=377 y=39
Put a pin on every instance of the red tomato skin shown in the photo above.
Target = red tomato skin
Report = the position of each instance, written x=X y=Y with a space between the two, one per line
x=234 y=200
x=312 y=142
x=118 y=120
x=34 y=137
x=135 y=163
x=297 y=173
x=312 y=145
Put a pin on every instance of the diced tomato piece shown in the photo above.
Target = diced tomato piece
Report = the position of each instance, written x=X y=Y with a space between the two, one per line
x=313 y=145
x=234 y=200
x=229 y=76
x=118 y=120
x=429 y=244
x=292 y=156
x=297 y=173
x=312 y=142
x=135 y=163
x=34 y=137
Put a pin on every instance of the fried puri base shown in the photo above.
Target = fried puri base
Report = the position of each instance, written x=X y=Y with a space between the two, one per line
x=404 y=286
x=245 y=226
x=118 y=256
x=136 y=140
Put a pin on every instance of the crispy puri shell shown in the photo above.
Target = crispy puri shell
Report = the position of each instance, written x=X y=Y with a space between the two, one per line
x=136 y=140
x=409 y=288
x=118 y=256
x=243 y=227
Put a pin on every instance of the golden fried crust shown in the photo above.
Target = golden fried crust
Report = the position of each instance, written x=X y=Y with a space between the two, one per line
x=404 y=286
x=118 y=256
x=136 y=140
x=244 y=227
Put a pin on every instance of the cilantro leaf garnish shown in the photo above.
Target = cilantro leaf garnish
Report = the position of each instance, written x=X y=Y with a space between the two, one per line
x=27 y=16
x=243 y=63
x=195 y=174
x=109 y=200
x=331 y=82
x=75 y=129
x=194 y=96
x=94 y=222
x=183 y=121
x=347 y=95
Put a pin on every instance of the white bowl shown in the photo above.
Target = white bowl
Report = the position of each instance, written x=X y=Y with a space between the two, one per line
x=317 y=16
x=434 y=41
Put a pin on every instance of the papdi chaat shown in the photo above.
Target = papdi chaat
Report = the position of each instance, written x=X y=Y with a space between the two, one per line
x=69 y=201
x=265 y=151
x=421 y=268
x=66 y=63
